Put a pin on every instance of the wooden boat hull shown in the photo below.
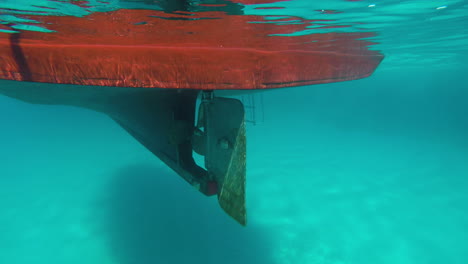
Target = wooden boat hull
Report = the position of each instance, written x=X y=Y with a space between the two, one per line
x=153 y=49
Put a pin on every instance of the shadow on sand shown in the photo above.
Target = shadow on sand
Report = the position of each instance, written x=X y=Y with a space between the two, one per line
x=152 y=216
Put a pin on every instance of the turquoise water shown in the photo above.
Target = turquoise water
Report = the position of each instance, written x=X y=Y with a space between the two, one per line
x=366 y=171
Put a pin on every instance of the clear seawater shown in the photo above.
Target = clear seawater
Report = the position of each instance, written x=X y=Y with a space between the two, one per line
x=372 y=171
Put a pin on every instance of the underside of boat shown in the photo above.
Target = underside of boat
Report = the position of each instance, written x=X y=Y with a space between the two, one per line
x=146 y=69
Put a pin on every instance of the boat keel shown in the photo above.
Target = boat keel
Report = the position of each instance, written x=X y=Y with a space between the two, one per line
x=163 y=120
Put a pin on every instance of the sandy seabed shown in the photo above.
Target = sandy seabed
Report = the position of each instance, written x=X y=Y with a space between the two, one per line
x=75 y=188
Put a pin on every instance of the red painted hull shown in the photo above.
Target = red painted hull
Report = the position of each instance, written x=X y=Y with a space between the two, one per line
x=147 y=48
